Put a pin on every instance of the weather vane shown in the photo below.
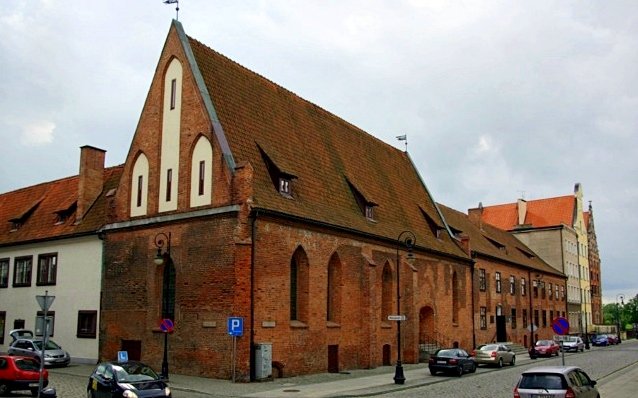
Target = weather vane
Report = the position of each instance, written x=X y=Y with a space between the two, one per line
x=403 y=137
x=176 y=2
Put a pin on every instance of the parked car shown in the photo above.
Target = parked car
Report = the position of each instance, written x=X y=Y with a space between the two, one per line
x=572 y=343
x=451 y=360
x=494 y=354
x=54 y=355
x=124 y=380
x=555 y=381
x=613 y=339
x=544 y=348
x=600 y=340
x=20 y=373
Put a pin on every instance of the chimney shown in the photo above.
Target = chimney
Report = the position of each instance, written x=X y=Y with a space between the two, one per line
x=465 y=244
x=91 y=179
x=521 y=207
x=476 y=215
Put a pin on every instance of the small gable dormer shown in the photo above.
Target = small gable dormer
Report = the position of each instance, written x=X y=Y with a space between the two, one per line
x=364 y=201
x=436 y=228
x=65 y=213
x=496 y=244
x=281 y=179
x=18 y=221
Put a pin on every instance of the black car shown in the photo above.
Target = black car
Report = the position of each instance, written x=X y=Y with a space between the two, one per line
x=451 y=360
x=129 y=379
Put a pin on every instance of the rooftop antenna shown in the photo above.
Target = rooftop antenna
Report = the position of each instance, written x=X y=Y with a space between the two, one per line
x=522 y=194
x=176 y=2
x=403 y=137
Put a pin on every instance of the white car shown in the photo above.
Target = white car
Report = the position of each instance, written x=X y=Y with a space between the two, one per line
x=572 y=343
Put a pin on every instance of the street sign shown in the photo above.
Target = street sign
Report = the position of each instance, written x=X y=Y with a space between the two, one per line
x=167 y=325
x=235 y=326
x=45 y=301
x=560 y=326
x=396 y=318
x=122 y=356
x=532 y=328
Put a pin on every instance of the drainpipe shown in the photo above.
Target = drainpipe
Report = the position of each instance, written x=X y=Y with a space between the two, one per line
x=253 y=234
x=473 y=268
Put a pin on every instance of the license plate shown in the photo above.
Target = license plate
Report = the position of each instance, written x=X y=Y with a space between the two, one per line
x=441 y=362
x=541 y=396
x=34 y=384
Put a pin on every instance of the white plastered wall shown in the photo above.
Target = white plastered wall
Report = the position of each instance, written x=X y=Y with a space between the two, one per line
x=170 y=137
x=140 y=168
x=203 y=152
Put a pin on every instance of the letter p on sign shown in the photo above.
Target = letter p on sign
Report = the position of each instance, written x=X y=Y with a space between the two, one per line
x=235 y=326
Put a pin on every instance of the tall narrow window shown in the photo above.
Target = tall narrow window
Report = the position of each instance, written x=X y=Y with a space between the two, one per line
x=386 y=292
x=482 y=280
x=294 y=271
x=483 y=318
x=140 y=185
x=47 y=269
x=523 y=287
x=4 y=272
x=524 y=318
x=455 y=298
x=202 y=173
x=333 y=305
x=169 y=184
x=536 y=318
x=550 y=291
x=513 y=318
x=22 y=271
x=512 y=285
x=173 y=93
x=498 y=282
x=299 y=285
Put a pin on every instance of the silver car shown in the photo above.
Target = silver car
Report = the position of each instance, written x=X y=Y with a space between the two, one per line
x=54 y=355
x=572 y=343
x=555 y=381
x=494 y=354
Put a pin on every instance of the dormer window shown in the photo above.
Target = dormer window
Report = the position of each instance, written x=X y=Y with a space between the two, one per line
x=434 y=226
x=19 y=221
x=284 y=186
x=370 y=212
x=62 y=215
x=363 y=201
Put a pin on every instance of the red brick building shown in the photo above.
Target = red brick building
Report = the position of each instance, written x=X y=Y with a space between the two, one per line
x=267 y=207
x=594 y=268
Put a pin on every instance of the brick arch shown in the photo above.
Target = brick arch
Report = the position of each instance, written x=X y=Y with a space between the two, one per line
x=387 y=291
x=333 y=289
x=299 y=285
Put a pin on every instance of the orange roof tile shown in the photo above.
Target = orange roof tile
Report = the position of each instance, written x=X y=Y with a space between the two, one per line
x=541 y=213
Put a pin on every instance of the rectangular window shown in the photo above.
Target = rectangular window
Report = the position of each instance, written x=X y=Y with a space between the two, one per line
x=370 y=212
x=498 y=282
x=544 y=318
x=535 y=288
x=542 y=289
x=513 y=318
x=47 y=269
x=523 y=287
x=483 y=319
x=284 y=186
x=140 y=181
x=202 y=170
x=551 y=315
x=4 y=272
x=22 y=271
x=173 y=93
x=18 y=323
x=39 y=323
x=550 y=291
x=556 y=292
x=169 y=184
x=524 y=318
x=3 y=320
x=87 y=324
x=482 y=280
x=562 y=293
x=536 y=318
x=512 y=285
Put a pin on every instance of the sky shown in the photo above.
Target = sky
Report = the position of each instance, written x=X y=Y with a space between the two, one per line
x=499 y=100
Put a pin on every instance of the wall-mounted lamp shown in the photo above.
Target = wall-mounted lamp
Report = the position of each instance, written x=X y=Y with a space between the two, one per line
x=162 y=240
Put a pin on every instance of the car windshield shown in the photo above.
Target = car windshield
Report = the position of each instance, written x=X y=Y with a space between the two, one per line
x=490 y=347
x=446 y=353
x=133 y=372
x=541 y=381
x=27 y=364
x=50 y=345
x=543 y=342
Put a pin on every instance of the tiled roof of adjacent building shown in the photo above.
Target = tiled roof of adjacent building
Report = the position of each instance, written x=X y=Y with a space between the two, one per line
x=47 y=210
x=541 y=213
x=487 y=240
x=328 y=158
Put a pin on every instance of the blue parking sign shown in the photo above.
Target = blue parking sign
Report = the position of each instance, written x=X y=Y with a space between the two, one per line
x=235 y=326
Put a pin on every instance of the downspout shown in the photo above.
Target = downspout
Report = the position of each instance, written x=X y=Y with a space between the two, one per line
x=253 y=233
x=473 y=268
x=531 y=317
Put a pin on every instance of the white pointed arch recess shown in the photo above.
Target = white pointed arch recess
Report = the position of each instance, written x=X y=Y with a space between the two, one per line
x=171 y=121
x=139 y=186
x=202 y=173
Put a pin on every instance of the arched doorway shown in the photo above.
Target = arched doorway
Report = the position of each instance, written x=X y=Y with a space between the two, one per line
x=427 y=332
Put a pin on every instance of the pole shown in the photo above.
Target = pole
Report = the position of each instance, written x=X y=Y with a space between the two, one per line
x=399 y=377
x=45 y=341
x=234 y=355
x=165 y=359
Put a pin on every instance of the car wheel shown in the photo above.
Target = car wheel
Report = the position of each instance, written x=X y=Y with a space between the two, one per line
x=500 y=362
x=4 y=389
x=459 y=371
x=513 y=360
x=474 y=366
x=90 y=394
x=34 y=392
x=433 y=372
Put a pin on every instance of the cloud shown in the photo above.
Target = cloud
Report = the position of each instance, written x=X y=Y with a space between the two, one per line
x=37 y=133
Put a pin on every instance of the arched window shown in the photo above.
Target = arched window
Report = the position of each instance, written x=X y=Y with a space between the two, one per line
x=299 y=285
x=386 y=292
x=201 y=173
x=168 y=290
x=333 y=305
x=139 y=186
x=455 y=298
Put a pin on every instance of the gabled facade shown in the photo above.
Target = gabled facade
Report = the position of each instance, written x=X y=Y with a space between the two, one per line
x=49 y=242
x=266 y=207
x=555 y=229
x=516 y=294
x=596 y=292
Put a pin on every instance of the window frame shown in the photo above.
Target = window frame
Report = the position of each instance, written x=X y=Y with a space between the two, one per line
x=5 y=264
x=482 y=280
x=173 y=93
x=87 y=317
x=512 y=285
x=523 y=287
x=39 y=321
x=18 y=261
x=499 y=287
x=483 y=318
x=50 y=281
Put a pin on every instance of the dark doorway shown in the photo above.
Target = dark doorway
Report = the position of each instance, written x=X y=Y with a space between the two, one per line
x=333 y=359
x=134 y=349
x=501 y=332
x=387 y=350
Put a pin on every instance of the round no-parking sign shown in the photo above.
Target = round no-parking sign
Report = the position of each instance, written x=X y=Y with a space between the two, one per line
x=560 y=326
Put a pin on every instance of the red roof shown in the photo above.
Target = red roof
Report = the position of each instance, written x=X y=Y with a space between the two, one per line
x=541 y=213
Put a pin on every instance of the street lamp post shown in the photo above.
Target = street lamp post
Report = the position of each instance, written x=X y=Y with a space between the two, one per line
x=620 y=296
x=406 y=239
x=587 y=294
x=161 y=240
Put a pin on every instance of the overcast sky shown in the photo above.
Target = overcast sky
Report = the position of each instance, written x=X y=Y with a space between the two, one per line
x=499 y=99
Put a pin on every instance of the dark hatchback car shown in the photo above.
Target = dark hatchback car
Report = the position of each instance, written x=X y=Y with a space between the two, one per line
x=451 y=360
x=130 y=379
x=600 y=340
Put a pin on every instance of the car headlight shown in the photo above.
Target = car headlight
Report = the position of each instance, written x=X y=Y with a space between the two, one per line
x=129 y=394
x=167 y=392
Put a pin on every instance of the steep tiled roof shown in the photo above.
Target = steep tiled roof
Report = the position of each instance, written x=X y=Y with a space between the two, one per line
x=488 y=240
x=35 y=209
x=322 y=151
x=586 y=219
x=541 y=213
